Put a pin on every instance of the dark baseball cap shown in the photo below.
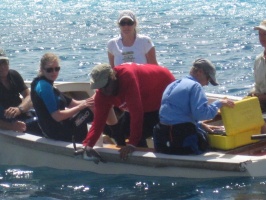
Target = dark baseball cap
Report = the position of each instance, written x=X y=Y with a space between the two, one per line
x=208 y=68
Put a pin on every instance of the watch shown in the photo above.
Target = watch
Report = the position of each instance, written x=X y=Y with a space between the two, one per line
x=21 y=109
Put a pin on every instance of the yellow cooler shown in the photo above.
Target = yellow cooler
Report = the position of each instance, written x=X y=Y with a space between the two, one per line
x=240 y=122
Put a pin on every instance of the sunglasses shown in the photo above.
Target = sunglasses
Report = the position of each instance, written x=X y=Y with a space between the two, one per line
x=126 y=23
x=52 y=69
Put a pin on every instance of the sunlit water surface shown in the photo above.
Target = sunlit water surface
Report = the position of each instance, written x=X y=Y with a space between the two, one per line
x=44 y=183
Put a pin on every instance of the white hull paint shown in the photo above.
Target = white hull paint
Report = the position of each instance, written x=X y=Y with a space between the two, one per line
x=35 y=151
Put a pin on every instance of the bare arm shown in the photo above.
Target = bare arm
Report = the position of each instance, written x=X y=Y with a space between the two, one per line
x=15 y=126
x=111 y=59
x=25 y=105
x=151 y=56
x=77 y=106
x=89 y=102
x=26 y=102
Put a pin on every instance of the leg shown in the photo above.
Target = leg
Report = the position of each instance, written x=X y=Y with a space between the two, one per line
x=160 y=139
x=184 y=139
x=78 y=124
x=150 y=119
x=33 y=126
x=120 y=130
x=112 y=119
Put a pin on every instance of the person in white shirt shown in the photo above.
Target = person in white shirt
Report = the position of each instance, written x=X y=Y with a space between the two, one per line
x=130 y=46
x=259 y=89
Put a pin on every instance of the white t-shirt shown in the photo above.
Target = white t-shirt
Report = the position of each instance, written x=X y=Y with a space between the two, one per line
x=260 y=74
x=135 y=53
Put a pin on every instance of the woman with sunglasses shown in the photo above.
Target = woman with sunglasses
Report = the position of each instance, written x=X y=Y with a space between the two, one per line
x=59 y=116
x=130 y=46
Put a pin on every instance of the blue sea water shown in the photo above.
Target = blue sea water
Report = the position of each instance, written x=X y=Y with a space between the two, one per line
x=182 y=30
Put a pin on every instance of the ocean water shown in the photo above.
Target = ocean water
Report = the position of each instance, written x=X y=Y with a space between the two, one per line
x=49 y=184
x=78 y=31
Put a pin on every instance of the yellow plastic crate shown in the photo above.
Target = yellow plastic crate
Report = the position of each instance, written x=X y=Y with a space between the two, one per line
x=244 y=116
x=232 y=141
x=240 y=122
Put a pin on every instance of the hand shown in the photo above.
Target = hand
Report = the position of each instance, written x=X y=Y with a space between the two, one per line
x=211 y=128
x=124 y=151
x=94 y=155
x=90 y=102
x=227 y=102
x=12 y=112
x=87 y=103
x=19 y=126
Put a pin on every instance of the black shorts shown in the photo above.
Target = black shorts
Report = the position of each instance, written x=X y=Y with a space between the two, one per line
x=180 y=139
x=121 y=131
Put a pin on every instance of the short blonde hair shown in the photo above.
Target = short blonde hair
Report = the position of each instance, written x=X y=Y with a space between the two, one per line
x=46 y=59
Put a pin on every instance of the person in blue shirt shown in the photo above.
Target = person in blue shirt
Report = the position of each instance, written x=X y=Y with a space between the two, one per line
x=184 y=105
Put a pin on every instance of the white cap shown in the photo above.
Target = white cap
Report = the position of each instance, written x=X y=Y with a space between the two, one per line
x=126 y=14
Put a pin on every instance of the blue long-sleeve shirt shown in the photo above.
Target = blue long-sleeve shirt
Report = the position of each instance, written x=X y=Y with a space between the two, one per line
x=185 y=101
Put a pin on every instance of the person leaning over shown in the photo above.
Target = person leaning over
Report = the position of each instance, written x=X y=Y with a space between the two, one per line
x=136 y=88
x=15 y=112
x=259 y=68
x=184 y=105
x=130 y=46
x=59 y=116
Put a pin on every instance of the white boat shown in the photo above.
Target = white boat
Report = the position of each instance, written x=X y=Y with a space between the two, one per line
x=34 y=151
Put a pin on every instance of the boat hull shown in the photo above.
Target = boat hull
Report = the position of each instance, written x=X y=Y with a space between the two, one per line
x=34 y=151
